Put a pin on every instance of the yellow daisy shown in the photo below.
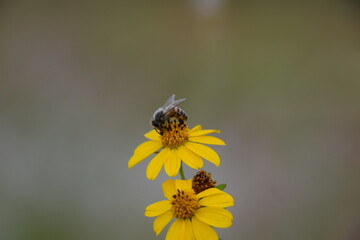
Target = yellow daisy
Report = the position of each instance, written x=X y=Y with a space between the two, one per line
x=176 y=144
x=195 y=214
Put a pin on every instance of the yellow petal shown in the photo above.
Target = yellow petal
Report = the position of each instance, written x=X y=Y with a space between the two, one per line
x=143 y=151
x=181 y=229
x=202 y=132
x=208 y=192
x=152 y=135
x=207 y=140
x=190 y=158
x=217 y=217
x=161 y=221
x=202 y=231
x=185 y=185
x=189 y=235
x=176 y=230
x=196 y=128
x=205 y=152
x=172 y=163
x=214 y=197
x=146 y=145
x=169 y=189
x=158 y=208
x=155 y=165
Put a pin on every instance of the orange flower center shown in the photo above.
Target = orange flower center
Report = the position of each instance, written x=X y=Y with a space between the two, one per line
x=184 y=204
x=174 y=134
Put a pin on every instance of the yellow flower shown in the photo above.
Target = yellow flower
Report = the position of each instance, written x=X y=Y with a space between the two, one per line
x=177 y=143
x=195 y=213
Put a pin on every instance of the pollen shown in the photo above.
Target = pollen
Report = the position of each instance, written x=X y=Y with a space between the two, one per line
x=184 y=204
x=174 y=134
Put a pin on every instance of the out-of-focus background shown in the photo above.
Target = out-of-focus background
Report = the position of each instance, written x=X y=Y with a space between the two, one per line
x=79 y=83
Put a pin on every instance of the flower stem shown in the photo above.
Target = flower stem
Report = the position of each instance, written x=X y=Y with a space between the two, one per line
x=182 y=172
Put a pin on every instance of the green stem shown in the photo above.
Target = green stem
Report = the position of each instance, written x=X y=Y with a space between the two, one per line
x=182 y=172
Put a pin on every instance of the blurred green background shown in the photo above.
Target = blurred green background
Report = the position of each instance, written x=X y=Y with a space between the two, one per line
x=79 y=82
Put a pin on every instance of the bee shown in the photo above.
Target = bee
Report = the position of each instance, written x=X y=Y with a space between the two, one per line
x=168 y=111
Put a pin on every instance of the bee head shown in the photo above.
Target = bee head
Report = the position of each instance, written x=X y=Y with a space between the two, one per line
x=159 y=115
x=159 y=119
x=156 y=124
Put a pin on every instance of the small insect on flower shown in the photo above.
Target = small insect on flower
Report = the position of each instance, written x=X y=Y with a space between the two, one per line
x=169 y=111
x=173 y=142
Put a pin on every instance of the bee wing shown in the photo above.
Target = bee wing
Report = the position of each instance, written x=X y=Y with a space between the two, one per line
x=171 y=102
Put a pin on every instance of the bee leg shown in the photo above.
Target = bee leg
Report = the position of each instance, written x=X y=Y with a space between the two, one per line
x=158 y=131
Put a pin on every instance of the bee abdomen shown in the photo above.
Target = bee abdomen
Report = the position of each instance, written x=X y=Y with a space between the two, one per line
x=178 y=113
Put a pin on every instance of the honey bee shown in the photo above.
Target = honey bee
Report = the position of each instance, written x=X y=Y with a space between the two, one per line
x=168 y=111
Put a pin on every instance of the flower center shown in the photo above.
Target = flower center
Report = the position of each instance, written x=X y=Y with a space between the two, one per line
x=184 y=204
x=202 y=181
x=174 y=134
